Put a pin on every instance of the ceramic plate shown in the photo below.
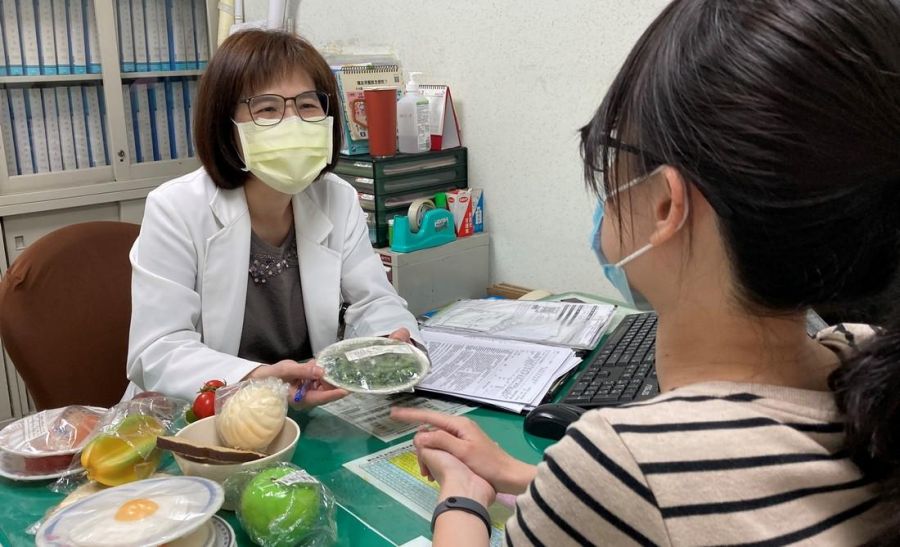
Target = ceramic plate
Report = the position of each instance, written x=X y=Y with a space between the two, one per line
x=373 y=365
x=147 y=512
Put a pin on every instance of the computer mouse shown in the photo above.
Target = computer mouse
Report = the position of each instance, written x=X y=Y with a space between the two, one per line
x=551 y=420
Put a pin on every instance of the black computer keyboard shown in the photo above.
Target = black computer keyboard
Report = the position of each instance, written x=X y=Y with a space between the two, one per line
x=623 y=370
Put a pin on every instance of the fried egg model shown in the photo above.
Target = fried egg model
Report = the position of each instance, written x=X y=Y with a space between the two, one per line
x=142 y=513
x=254 y=415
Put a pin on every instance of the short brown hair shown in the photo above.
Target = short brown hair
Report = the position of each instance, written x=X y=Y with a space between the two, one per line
x=244 y=63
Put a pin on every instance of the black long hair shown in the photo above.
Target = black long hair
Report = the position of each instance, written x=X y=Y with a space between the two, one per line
x=785 y=115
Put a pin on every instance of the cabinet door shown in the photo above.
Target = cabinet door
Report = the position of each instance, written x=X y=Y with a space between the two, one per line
x=131 y=211
x=20 y=231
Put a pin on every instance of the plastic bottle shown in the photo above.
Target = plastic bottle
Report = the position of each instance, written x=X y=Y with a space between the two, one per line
x=413 y=120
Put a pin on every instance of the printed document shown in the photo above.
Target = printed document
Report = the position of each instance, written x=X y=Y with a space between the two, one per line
x=565 y=324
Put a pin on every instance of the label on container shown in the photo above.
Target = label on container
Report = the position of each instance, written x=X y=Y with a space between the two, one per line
x=299 y=476
x=371 y=351
x=34 y=426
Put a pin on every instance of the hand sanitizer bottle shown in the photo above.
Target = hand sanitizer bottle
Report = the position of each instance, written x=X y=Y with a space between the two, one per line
x=413 y=120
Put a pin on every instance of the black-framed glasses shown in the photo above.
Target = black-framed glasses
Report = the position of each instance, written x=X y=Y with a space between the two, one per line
x=269 y=109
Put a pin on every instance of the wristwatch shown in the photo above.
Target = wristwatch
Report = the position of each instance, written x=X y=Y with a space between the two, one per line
x=462 y=504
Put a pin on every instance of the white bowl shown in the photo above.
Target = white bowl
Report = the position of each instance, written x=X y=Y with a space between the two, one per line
x=204 y=431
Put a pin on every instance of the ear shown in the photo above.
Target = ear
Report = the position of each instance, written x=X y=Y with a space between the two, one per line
x=670 y=206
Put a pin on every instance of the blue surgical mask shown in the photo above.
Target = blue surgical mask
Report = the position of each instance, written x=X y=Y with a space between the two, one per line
x=615 y=273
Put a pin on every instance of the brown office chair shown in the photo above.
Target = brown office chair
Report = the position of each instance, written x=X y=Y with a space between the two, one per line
x=65 y=308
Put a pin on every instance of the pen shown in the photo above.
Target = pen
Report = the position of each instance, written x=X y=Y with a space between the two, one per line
x=301 y=391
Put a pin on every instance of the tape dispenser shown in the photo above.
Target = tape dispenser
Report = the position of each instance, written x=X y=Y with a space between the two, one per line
x=425 y=226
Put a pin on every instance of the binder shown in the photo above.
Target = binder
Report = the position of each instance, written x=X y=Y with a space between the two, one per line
x=10 y=21
x=165 y=35
x=92 y=46
x=177 y=117
x=22 y=135
x=139 y=34
x=444 y=123
x=134 y=127
x=162 y=149
x=144 y=129
x=61 y=29
x=51 y=120
x=201 y=25
x=6 y=133
x=79 y=127
x=4 y=61
x=351 y=80
x=101 y=100
x=177 y=50
x=31 y=57
x=34 y=110
x=96 y=139
x=77 y=29
x=46 y=36
x=190 y=93
x=126 y=37
x=66 y=136
x=151 y=31
x=186 y=7
x=129 y=123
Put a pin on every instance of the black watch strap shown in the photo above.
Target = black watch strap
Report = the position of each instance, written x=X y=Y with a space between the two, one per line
x=462 y=504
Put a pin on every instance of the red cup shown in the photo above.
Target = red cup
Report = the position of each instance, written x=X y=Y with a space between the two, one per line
x=381 y=119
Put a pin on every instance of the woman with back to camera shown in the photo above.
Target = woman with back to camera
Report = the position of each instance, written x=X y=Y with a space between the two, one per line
x=747 y=165
x=241 y=267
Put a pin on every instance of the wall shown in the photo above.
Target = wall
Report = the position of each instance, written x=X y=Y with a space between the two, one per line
x=525 y=76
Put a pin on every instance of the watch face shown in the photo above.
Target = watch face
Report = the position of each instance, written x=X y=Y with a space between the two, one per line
x=373 y=365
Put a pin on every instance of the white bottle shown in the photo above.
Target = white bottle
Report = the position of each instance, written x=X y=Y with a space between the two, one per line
x=413 y=120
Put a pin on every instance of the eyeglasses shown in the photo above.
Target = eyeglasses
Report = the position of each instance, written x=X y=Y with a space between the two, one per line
x=269 y=109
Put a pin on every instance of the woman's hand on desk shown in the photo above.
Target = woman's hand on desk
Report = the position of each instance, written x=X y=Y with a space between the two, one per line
x=297 y=374
x=462 y=438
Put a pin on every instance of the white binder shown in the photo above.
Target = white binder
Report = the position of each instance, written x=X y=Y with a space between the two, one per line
x=126 y=36
x=158 y=106
x=202 y=32
x=129 y=123
x=61 y=29
x=186 y=9
x=79 y=127
x=175 y=95
x=46 y=37
x=96 y=138
x=77 y=29
x=139 y=33
x=51 y=119
x=66 y=135
x=93 y=39
x=11 y=37
x=155 y=40
x=6 y=133
x=29 y=35
x=19 y=117
x=35 y=112
x=145 y=130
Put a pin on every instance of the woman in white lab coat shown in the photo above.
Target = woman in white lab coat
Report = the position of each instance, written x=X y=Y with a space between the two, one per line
x=242 y=266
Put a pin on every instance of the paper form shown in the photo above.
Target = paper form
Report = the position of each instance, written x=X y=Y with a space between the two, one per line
x=395 y=471
x=556 y=323
x=491 y=370
x=371 y=413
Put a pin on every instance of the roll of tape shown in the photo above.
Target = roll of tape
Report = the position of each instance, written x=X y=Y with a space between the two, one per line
x=417 y=210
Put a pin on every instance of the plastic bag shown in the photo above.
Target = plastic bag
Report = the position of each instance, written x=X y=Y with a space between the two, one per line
x=43 y=444
x=283 y=506
x=124 y=446
x=250 y=414
x=373 y=365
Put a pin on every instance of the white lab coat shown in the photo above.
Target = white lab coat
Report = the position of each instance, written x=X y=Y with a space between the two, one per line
x=189 y=280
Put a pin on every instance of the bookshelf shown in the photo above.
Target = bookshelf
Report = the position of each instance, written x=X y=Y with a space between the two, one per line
x=95 y=107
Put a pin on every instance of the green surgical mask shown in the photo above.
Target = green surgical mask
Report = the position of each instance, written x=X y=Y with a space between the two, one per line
x=288 y=156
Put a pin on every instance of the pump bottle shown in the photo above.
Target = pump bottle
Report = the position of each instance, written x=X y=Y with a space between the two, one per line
x=413 y=120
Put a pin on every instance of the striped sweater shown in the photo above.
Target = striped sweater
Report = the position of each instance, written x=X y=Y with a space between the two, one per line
x=715 y=463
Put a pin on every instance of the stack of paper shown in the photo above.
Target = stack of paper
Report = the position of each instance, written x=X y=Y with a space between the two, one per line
x=507 y=374
x=564 y=324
